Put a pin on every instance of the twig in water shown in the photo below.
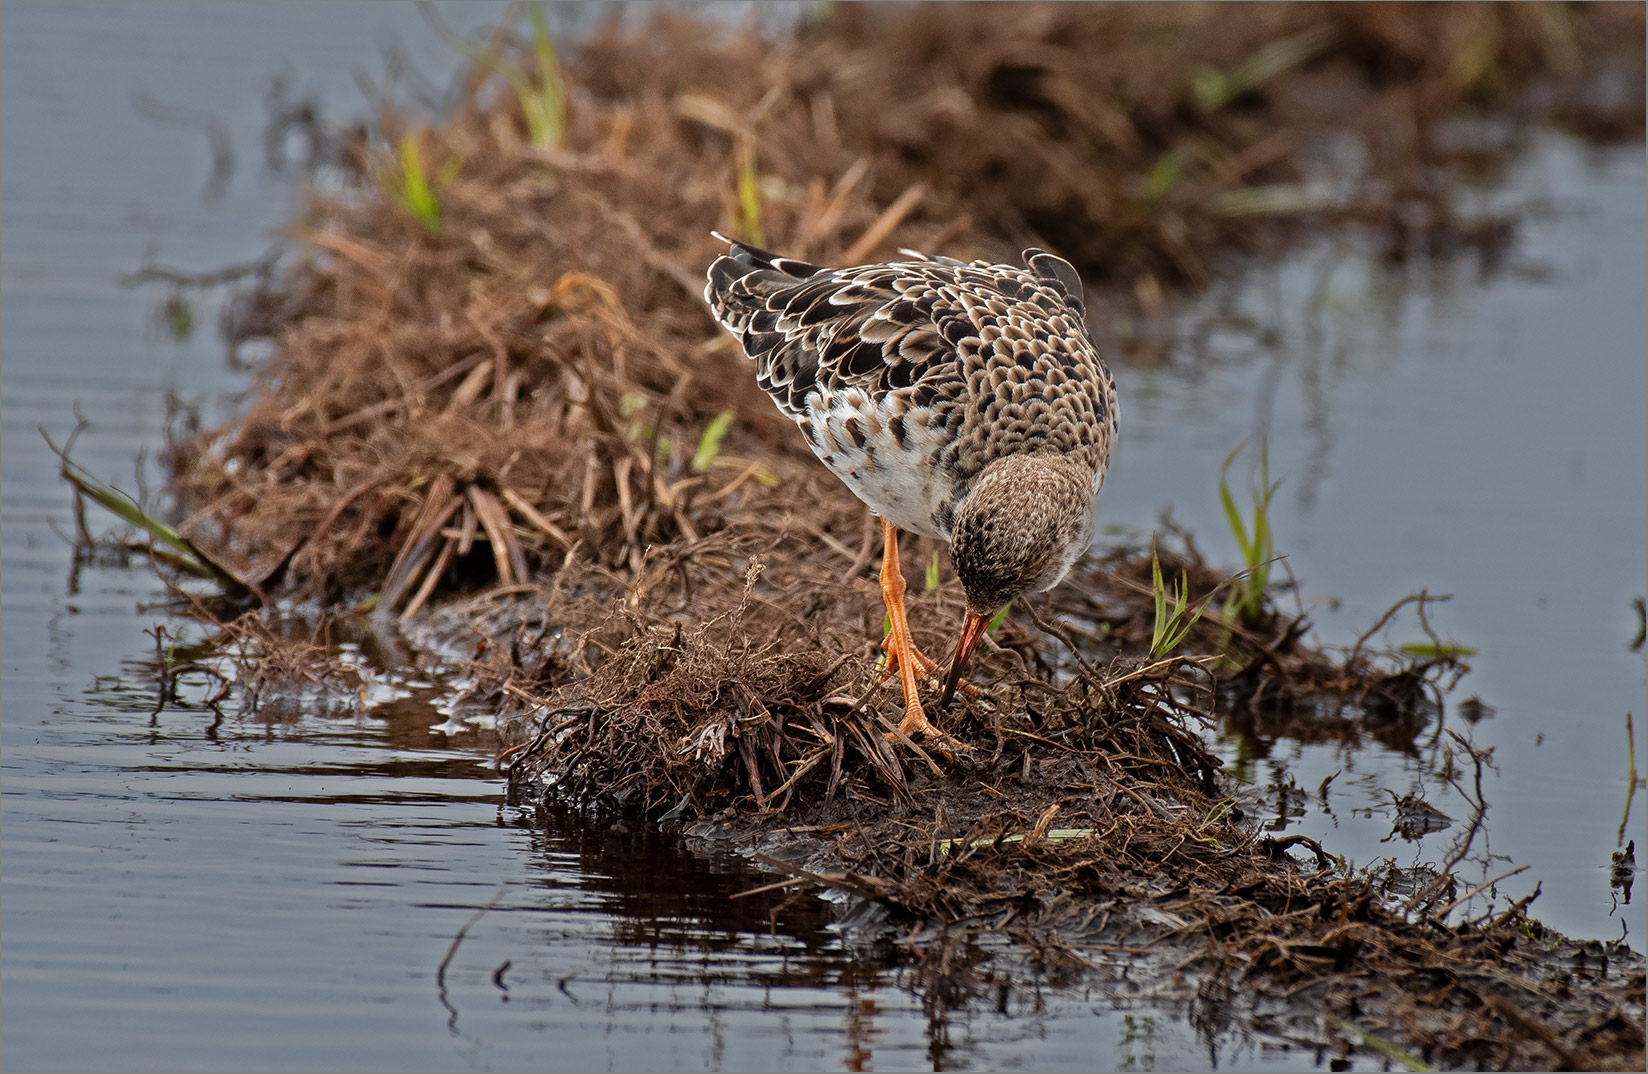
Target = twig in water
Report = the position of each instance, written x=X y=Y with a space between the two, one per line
x=1377 y=1043
x=1635 y=781
x=213 y=126
x=774 y=886
x=440 y=971
x=1479 y=810
x=1422 y=596
x=1479 y=889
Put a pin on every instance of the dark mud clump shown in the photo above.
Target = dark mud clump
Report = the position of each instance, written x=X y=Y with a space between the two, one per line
x=510 y=420
x=1073 y=808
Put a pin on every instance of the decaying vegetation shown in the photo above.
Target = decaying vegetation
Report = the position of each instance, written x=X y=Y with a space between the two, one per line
x=493 y=406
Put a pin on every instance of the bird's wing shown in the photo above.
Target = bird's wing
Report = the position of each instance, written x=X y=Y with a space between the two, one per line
x=879 y=328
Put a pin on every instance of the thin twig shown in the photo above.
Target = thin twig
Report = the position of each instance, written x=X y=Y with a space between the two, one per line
x=1479 y=889
x=463 y=930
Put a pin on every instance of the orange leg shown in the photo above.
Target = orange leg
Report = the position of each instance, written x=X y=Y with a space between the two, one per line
x=929 y=667
x=901 y=651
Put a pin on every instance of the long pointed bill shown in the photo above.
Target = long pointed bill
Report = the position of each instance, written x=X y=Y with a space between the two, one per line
x=972 y=629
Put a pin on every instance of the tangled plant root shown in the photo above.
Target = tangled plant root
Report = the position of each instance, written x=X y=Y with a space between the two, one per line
x=1073 y=808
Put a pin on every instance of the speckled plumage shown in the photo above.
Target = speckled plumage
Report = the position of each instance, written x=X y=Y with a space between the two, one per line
x=964 y=401
x=910 y=378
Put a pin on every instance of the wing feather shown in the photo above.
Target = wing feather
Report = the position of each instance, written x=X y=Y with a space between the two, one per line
x=959 y=347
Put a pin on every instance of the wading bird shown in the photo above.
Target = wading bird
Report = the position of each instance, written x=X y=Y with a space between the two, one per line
x=964 y=401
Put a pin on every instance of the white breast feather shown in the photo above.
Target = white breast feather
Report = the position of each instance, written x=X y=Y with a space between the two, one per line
x=898 y=483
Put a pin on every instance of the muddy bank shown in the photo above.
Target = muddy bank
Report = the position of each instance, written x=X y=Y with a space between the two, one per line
x=492 y=407
x=1075 y=810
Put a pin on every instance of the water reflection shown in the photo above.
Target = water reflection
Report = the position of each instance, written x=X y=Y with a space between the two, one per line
x=1448 y=425
x=660 y=894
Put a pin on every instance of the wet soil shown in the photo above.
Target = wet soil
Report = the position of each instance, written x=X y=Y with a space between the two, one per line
x=495 y=425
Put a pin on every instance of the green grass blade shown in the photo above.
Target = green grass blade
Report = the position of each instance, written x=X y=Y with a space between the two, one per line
x=1182 y=622
x=1442 y=651
x=1256 y=540
x=1278 y=56
x=1213 y=89
x=1264 y=548
x=1171 y=627
x=550 y=99
x=1377 y=1043
x=749 y=192
x=418 y=196
x=410 y=188
x=1159 y=630
x=184 y=554
x=709 y=444
x=1233 y=514
x=1164 y=175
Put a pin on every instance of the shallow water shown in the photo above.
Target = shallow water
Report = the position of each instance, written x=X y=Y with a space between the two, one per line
x=1474 y=434
x=279 y=892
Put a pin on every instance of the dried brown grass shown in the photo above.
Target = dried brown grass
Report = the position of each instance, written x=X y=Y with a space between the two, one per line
x=511 y=407
x=445 y=411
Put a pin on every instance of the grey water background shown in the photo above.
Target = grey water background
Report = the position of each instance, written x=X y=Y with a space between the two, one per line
x=277 y=892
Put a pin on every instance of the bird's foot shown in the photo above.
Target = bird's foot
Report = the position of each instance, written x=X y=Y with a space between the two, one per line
x=909 y=664
x=931 y=670
x=915 y=723
x=925 y=664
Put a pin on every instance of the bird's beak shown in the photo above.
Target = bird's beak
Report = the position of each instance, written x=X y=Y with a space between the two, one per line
x=972 y=629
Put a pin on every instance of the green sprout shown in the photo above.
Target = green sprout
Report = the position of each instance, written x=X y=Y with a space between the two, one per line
x=544 y=103
x=1213 y=89
x=179 y=551
x=408 y=184
x=1255 y=540
x=749 y=192
x=932 y=572
x=1171 y=626
x=709 y=444
x=1164 y=175
x=543 y=99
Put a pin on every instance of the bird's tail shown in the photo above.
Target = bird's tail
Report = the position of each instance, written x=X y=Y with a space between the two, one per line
x=745 y=277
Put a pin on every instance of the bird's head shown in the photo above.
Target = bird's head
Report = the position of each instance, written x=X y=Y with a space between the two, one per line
x=1019 y=529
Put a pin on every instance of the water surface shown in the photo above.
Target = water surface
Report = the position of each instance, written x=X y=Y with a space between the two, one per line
x=187 y=892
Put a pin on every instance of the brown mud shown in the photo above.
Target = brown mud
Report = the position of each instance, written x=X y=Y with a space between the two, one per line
x=498 y=425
